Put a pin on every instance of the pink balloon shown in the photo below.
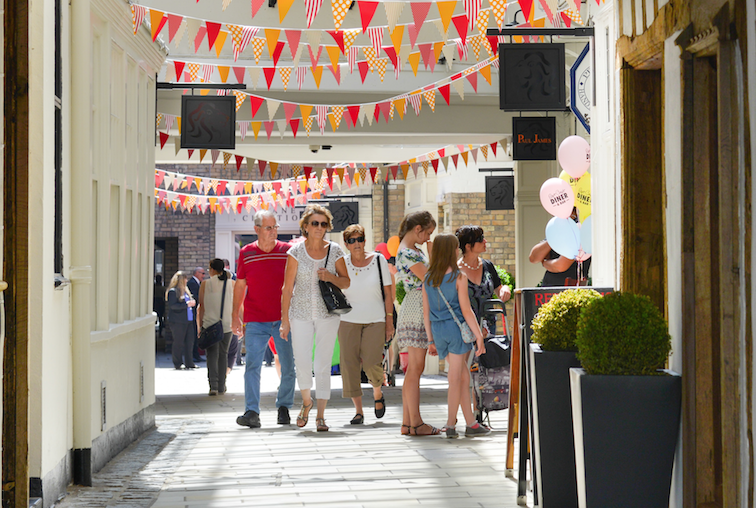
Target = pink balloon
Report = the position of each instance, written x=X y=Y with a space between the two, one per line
x=574 y=156
x=557 y=197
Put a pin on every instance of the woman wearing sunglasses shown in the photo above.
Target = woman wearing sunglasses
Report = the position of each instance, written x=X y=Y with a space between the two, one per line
x=304 y=313
x=364 y=330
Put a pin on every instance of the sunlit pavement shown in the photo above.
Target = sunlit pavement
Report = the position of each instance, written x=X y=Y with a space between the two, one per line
x=200 y=457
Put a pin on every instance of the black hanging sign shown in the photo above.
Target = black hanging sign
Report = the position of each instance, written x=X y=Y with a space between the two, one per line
x=208 y=122
x=532 y=77
x=534 y=139
x=500 y=193
x=345 y=213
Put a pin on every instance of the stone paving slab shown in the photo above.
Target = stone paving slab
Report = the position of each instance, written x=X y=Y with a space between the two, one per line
x=198 y=457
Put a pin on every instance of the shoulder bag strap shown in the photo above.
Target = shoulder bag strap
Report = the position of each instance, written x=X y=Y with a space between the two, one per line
x=449 y=307
x=380 y=276
x=328 y=253
x=223 y=296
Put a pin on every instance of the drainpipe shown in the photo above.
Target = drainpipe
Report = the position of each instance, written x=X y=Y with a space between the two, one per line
x=81 y=232
x=385 y=211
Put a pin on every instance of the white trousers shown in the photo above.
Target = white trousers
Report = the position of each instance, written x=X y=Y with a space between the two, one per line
x=323 y=333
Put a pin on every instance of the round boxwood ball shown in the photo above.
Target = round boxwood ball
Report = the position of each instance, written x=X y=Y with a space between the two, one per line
x=622 y=334
x=555 y=325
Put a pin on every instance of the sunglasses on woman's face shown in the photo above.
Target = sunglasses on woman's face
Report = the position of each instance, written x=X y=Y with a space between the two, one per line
x=316 y=224
x=359 y=239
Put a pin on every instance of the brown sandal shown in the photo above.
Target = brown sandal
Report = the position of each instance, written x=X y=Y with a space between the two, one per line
x=321 y=426
x=408 y=430
x=433 y=430
x=304 y=415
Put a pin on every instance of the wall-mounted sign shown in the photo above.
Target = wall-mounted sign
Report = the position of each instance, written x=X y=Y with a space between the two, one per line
x=500 y=193
x=531 y=77
x=581 y=88
x=208 y=122
x=534 y=139
x=344 y=214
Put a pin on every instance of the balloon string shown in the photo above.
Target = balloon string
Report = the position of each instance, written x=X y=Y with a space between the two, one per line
x=579 y=272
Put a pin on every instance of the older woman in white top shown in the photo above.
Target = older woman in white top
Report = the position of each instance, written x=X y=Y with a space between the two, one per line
x=209 y=313
x=365 y=329
x=304 y=313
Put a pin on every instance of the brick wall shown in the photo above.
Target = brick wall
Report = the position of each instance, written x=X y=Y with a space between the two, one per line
x=395 y=207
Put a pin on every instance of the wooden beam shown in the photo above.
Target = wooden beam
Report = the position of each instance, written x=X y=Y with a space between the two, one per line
x=644 y=50
x=15 y=252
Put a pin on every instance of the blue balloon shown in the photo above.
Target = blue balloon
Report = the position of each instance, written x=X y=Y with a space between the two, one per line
x=586 y=234
x=563 y=236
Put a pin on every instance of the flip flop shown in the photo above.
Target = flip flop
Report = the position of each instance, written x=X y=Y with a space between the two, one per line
x=433 y=430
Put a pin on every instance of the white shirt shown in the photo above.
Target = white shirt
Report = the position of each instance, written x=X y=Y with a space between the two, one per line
x=364 y=291
x=307 y=302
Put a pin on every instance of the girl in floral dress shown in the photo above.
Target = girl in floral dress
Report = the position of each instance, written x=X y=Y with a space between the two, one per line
x=412 y=265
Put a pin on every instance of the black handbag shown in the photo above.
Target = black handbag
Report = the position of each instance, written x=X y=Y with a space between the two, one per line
x=334 y=299
x=498 y=353
x=213 y=334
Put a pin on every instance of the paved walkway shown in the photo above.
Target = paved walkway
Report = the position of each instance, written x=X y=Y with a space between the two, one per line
x=199 y=457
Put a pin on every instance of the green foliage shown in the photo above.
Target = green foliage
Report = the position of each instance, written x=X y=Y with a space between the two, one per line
x=622 y=334
x=506 y=278
x=555 y=325
x=400 y=292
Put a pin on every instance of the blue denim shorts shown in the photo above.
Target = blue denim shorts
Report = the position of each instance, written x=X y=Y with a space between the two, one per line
x=448 y=338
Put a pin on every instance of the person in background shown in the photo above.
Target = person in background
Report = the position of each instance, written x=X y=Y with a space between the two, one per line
x=234 y=351
x=304 y=313
x=412 y=265
x=210 y=298
x=158 y=303
x=260 y=277
x=180 y=306
x=483 y=283
x=193 y=284
x=445 y=292
x=368 y=326
x=558 y=268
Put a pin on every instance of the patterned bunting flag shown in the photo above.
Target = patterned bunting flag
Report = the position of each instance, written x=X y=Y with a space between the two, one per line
x=482 y=21
x=311 y=10
x=500 y=10
x=472 y=8
x=416 y=101
x=349 y=37
x=370 y=56
x=301 y=75
x=322 y=113
x=339 y=8
x=159 y=119
x=352 y=58
x=338 y=113
x=308 y=124
x=376 y=37
x=226 y=159
x=381 y=64
x=430 y=98
x=257 y=48
x=240 y=97
x=240 y=37
x=193 y=71
x=285 y=73
x=138 y=13
x=243 y=126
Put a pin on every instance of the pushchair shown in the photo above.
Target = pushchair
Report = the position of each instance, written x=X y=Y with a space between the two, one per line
x=491 y=372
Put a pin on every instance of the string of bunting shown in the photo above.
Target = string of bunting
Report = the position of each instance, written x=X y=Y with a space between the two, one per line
x=367 y=10
x=351 y=112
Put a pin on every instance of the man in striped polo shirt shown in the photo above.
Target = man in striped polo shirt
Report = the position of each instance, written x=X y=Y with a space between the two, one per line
x=259 y=280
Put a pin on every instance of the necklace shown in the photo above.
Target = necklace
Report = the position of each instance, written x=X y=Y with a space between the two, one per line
x=480 y=262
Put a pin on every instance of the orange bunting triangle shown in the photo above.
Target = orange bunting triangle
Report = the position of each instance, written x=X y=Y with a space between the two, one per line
x=223 y=71
x=486 y=72
x=283 y=9
x=256 y=129
x=396 y=37
x=219 y=42
x=157 y=22
x=446 y=10
x=333 y=54
x=317 y=73
x=271 y=35
x=414 y=61
x=399 y=105
x=306 y=109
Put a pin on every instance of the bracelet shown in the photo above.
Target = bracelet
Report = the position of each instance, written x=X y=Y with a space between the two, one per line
x=389 y=313
x=431 y=342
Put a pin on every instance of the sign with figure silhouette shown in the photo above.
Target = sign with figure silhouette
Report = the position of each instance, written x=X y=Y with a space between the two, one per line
x=208 y=122
x=500 y=193
x=344 y=214
x=532 y=77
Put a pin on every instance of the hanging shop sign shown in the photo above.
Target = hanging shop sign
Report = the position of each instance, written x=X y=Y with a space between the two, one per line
x=581 y=88
x=531 y=77
x=500 y=193
x=534 y=139
x=208 y=122
x=344 y=214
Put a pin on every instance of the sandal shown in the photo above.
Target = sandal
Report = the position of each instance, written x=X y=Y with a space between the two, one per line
x=322 y=427
x=433 y=430
x=408 y=430
x=304 y=415
x=382 y=411
x=358 y=419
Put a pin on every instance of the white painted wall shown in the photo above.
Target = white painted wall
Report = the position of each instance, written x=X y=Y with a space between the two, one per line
x=673 y=172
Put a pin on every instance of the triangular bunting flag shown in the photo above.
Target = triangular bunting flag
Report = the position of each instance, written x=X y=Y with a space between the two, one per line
x=213 y=29
x=283 y=9
x=271 y=36
x=460 y=23
x=446 y=10
x=339 y=8
x=393 y=11
x=157 y=22
x=367 y=11
x=270 y=73
x=311 y=10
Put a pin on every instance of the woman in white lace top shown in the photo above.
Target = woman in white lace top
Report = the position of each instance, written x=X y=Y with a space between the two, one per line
x=304 y=313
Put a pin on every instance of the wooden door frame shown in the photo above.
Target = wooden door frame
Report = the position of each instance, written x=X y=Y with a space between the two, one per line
x=15 y=465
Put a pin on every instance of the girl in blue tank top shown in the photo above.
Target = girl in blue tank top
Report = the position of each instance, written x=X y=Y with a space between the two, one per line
x=444 y=337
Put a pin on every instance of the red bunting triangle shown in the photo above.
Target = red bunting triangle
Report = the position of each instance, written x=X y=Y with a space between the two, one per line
x=434 y=163
x=174 y=22
x=455 y=157
x=255 y=102
x=442 y=152
x=527 y=8
x=376 y=113
x=373 y=172
x=425 y=51
x=420 y=12
x=293 y=37
x=256 y=4
x=307 y=171
x=198 y=39
x=338 y=36
x=163 y=138
x=239 y=159
x=239 y=73
x=179 y=66
x=159 y=175
x=190 y=152
x=567 y=19
x=336 y=71
x=473 y=79
x=445 y=92
x=460 y=23
x=363 y=67
x=314 y=57
x=391 y=53
x=262 y=165
x=413 y=33
x=221 y=188
x=494 y=42
x=270 y=73
x=212 y=33
x=289 y=109
x=493 y=147
x=354 y=112
x=385 y=108
x=268 y=128
x=294 y=126
x=394 y=169
x=367 y=11
x=277 y=52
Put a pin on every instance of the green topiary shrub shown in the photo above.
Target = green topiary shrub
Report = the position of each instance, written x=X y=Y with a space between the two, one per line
x=622 y=334
x=555 y=325
x=506 y=278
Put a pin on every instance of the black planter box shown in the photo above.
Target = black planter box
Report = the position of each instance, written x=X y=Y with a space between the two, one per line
x=552 y=427
x=626 y=431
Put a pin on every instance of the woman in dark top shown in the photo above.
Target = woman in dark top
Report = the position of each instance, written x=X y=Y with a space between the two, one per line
x=180 y=311
x=483 y=282
x=559 y=268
